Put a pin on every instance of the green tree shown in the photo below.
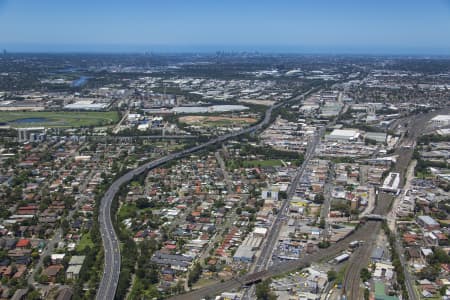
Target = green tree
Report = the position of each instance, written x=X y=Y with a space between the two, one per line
x=365 y=274
x=331 y=275
x=319 y=198
x=263 y=291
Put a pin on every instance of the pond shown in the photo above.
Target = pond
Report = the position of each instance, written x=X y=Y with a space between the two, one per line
x=30 y=120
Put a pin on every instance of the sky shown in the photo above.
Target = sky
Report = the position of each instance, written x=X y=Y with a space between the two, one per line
x=303 y=26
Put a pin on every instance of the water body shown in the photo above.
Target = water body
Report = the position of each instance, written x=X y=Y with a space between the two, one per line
x=208 y=109
x=30 y=120
x=80 y=81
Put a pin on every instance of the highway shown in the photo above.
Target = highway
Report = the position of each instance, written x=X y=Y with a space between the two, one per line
x=108 y=284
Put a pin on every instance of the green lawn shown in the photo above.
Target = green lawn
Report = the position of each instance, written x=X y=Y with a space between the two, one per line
x=59 y=119
x=127 y=211
x=262 y=163
x=84 y=242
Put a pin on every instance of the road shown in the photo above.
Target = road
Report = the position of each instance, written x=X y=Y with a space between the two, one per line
x=274 y=231
x=325 y=209
x=108 y=284
x=362 y=233
x=117 y=127
x=226 y=176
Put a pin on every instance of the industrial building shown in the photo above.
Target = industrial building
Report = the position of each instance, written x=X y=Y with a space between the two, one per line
x=343 y=135
x=379 y=137
x=244 y=254
x=86 y=105
x=440 y=121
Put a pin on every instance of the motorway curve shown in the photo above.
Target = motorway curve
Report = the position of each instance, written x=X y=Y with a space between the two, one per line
x=108 y=285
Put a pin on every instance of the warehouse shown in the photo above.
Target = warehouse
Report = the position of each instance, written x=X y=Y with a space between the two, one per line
x=244 y=254
x=378 y=137
x=343 y=135
x=440 y=121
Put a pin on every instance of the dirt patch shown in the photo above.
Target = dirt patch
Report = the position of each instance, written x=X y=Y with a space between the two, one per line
x=258 y=102
x=211 y=120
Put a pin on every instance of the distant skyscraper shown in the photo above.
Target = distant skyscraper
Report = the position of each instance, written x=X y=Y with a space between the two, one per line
x=4 y=52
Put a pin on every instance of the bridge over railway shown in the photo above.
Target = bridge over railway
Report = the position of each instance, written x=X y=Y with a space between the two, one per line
x=360 y=234
x=374 y=217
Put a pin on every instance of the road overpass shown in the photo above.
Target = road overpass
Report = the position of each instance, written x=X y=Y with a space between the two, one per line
x=375 y=217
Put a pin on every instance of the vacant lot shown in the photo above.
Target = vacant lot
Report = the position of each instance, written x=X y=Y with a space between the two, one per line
x=216 y=121
x=58 y=119
x=258 y=102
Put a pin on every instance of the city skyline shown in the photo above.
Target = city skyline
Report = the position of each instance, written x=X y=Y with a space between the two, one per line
x=347 y=27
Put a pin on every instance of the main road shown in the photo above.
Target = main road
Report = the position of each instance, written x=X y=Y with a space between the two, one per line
x=111 y=271
x=274 y=231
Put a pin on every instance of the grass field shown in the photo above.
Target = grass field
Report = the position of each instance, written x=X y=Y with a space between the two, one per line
x=262 y=163
x=85 y=242
x=58 y=119
x=127 y=211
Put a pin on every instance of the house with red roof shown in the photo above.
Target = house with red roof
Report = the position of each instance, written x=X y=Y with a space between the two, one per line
x=23 y=244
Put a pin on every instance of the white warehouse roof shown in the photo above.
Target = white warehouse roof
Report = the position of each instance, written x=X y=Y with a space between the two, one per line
x=344 y=134
x=441 y=118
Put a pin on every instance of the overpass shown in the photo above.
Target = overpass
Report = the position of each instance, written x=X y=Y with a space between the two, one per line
x=374 y=217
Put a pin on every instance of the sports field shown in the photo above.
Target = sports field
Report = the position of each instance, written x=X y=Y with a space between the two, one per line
x=58 y=119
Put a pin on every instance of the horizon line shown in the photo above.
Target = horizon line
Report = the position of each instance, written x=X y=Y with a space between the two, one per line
x=226 y=52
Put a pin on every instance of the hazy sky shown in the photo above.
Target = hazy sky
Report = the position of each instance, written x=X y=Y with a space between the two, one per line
x=333 y=26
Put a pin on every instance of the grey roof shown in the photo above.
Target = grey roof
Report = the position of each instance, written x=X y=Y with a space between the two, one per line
x=77 y=260
x=244 y=252
x=428 y=220
x=171 y=259
x=74 y=269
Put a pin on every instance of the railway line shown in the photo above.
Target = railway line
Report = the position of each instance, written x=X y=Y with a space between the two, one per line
x=365 y=232
x=415 y=126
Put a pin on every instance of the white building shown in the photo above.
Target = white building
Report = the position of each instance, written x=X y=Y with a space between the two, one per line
x=31 y=134
x=440 y=121
x=270 y=193
x=343 y=135
x=391 y=182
